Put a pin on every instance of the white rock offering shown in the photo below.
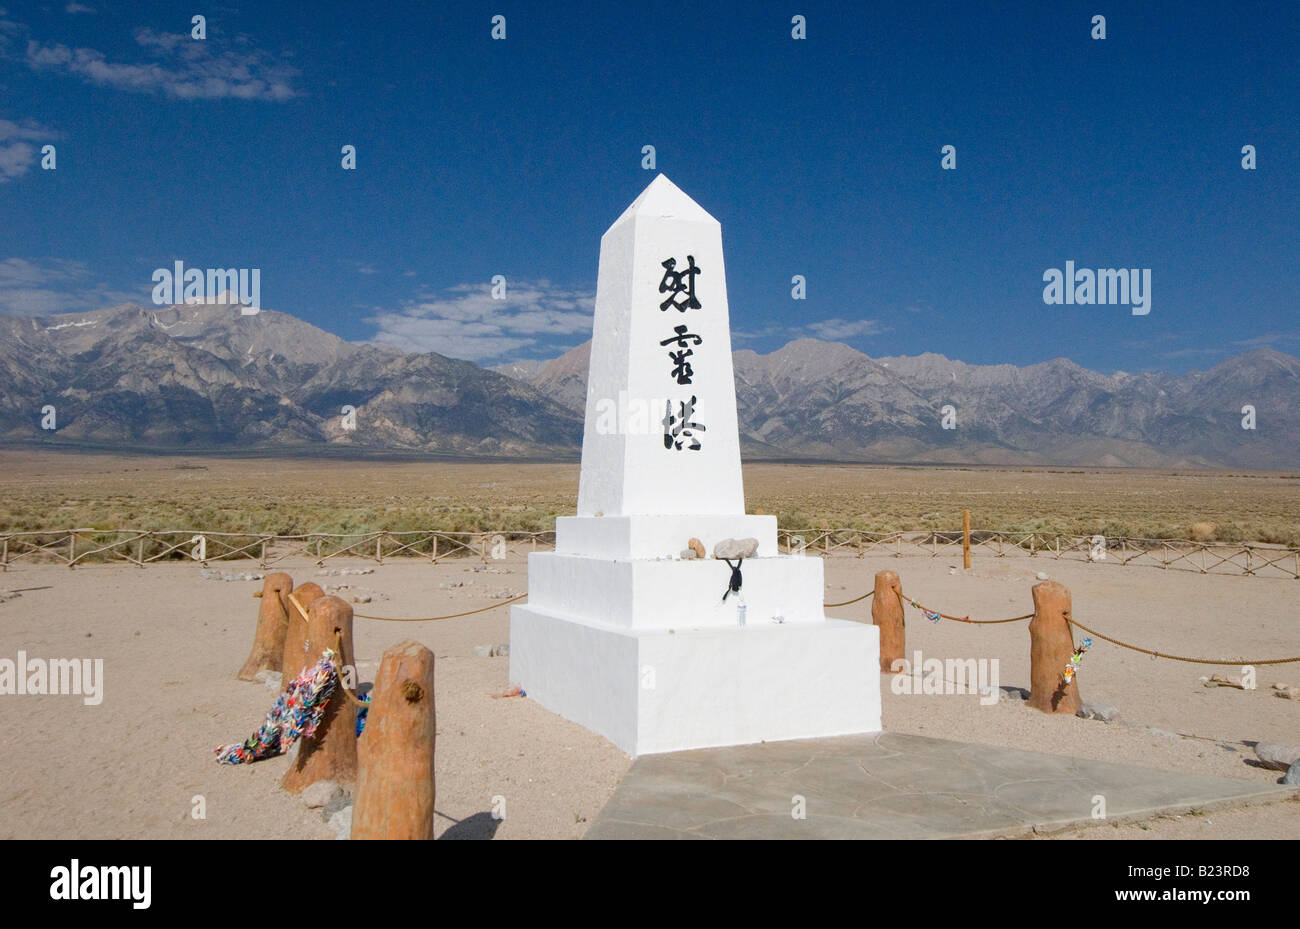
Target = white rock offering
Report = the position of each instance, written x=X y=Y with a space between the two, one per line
x=731 y=549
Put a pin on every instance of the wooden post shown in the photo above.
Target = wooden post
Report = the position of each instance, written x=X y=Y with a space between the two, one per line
x=272 y=623
x=295 y=638
x=887 y=615
x=395 y=787
x=1051 y=644
x=330 y=755
x=965 y=539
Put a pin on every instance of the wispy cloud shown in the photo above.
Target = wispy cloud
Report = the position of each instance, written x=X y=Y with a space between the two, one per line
x=466 y=322
x=745 y=335
x=44 y=288
x=75 y=7
x=176 y=66
x=1194 y=352
x=1272 y=338
x=834 y=330
x=18 y=146
x=9 y=30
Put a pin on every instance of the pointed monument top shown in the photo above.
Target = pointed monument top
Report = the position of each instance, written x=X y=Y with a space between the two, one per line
x=664 y=199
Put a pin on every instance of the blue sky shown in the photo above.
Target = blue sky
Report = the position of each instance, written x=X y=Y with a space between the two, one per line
x=820 y=157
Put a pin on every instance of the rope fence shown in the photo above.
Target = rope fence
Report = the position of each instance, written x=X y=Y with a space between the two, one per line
x=73 y=547
x=934 y=615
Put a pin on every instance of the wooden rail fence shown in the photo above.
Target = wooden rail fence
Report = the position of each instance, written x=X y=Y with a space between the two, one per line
x=73 y=547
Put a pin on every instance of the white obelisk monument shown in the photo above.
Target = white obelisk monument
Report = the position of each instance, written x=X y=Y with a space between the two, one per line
x=623 y=634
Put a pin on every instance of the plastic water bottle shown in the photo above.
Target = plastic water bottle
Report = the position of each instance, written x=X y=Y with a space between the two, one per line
x=740 y=613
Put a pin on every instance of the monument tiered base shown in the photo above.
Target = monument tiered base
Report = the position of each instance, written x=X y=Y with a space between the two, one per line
x=670 y=689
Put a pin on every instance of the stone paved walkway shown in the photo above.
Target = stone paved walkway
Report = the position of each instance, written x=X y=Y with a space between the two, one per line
x=892 y=786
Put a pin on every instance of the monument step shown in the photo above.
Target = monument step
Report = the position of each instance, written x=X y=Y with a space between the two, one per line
x=658 y=536
x=651 y=691
x=664 y=594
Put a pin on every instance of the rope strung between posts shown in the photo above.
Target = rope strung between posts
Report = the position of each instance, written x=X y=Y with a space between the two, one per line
x=831 y=606
x=1154 y=654
x=338 y=650
x=429 y=619
x=934 y=616
x=416 y=619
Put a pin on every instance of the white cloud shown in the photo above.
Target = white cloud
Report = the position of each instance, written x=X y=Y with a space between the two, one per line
x=836 y=329
x=19 y=146
x=9 y=30
x=738 y=335
x=830 y=330
x=1271 y=338
x=55 y=286
x=180 y=67
x=75 y=7
x=466 y=322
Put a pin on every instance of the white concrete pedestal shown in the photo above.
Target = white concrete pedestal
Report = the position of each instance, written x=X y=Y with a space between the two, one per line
x=666 y=690
x=646 y=652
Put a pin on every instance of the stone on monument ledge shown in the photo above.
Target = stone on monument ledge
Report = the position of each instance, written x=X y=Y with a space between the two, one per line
x=654 y=536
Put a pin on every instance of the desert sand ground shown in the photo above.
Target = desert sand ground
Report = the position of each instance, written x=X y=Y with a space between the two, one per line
x=172 y=641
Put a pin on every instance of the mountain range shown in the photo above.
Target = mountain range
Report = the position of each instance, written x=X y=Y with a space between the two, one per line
x=201 y=377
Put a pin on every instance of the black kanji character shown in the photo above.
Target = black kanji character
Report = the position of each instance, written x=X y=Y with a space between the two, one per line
x=673 y=286
x=677 y=428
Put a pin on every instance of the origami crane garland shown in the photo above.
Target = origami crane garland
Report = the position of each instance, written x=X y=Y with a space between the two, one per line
x=1073 y=666
x=296 y=714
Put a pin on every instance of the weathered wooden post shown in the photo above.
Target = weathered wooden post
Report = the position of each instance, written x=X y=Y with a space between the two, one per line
x=887 y=614
x=272 y=624
x=395 y=787
x=330 y=755
x=296 y=635
x=965 y=539
x=1051 y=644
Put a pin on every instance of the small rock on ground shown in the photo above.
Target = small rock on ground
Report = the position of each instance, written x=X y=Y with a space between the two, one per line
x=209 y=575
x=1164 y=732
x=321 y=793
x=1277 y=755
x=341 y=823
x=483 y=651
x=501 y=651
x=1103 y=711
x=1292 y=775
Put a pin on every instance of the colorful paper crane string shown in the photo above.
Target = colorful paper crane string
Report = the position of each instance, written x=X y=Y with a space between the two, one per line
x=362 y=713
x=931 y=615
x=296 y=714
x=1073 y=666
